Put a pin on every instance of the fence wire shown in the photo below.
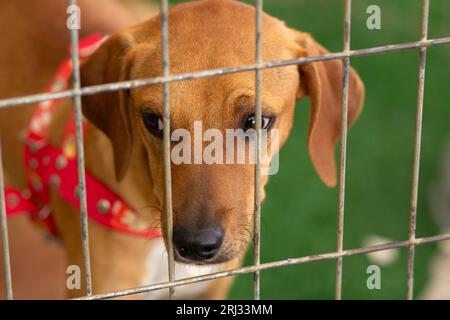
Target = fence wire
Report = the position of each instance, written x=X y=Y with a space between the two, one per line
x=76 y=84
x=343 y=151
x=258 y=122
x=417 y=145
x=166 y=134
x=77 y=92
x=4 y=234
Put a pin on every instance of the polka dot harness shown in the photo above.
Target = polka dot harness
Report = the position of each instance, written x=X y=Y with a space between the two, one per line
x=51 y=168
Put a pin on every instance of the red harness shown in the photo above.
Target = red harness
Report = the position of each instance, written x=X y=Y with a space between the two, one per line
x=48 y=168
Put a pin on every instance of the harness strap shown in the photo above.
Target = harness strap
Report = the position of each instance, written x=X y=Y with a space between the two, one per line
x=50 y=168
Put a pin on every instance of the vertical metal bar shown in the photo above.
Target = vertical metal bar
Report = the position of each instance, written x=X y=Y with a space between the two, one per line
x=167 y=162
x=80 y=155
x=258 y=123
x=4 y=232
x=417 y=147
x=343 y=149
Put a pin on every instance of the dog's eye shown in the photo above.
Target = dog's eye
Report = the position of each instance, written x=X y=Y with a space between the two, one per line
x=153 y=123
x=266 y=123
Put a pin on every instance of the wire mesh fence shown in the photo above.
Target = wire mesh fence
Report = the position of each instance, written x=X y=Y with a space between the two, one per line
x=166 y=79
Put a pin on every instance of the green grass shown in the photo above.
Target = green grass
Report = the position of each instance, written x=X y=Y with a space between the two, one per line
x=299 y=214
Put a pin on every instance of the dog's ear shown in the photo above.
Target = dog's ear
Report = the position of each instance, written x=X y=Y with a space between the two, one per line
x=322 y=81
x=110 y=111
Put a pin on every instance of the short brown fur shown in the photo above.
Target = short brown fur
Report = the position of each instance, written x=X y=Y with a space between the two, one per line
x=121 y=153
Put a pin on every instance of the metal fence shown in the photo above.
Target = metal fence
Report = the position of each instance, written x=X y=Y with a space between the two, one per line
x=77 y=92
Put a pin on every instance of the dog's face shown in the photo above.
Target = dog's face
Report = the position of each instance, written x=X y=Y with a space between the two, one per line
x=213 y=200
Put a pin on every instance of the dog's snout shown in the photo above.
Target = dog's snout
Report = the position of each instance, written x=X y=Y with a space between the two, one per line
x=198 y=245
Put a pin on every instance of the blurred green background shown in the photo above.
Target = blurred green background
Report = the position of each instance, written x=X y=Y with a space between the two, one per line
x=300 y=214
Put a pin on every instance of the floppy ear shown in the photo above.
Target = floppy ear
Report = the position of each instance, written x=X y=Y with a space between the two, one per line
x=109 y=111
x=322 y=81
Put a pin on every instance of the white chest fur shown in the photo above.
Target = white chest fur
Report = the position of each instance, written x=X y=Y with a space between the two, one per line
x=157 y=272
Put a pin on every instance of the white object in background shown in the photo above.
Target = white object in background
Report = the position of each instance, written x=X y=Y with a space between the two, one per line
x=382 y=258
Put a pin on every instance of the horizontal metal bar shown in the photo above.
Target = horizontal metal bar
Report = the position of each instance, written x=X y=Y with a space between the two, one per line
x=270 y=265
x=30 y=99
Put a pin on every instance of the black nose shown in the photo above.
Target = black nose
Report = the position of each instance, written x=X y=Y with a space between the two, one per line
x=200 y=244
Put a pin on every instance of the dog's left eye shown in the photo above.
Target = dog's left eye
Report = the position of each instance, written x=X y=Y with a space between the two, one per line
x=153 y=123
x=266 y=123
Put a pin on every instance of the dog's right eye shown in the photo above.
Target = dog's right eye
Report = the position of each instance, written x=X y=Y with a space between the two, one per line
x=153 y=123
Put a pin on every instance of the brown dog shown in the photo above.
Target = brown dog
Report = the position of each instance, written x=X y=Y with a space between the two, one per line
x=213 y=204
